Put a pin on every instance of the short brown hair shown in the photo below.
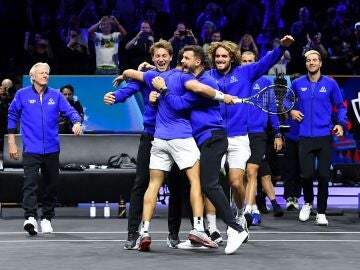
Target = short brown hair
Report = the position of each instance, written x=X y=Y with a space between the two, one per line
x=231 y=47
x=161 y=44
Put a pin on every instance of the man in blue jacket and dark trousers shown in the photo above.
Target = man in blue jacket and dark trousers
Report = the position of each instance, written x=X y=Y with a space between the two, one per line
x=317 y=95
x=38 y=107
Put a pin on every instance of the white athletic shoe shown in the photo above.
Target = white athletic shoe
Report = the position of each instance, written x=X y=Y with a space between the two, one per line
x=46 y=227
x=31 y=226
x=305 y=211
x=235 y=239
x=190 y=245
x=321 y=220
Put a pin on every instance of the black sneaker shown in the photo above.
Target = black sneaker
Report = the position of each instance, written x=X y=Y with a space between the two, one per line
x=249 y=219
x=216 y=237
x=278 y=212
x=261 y=204
x=173 y=240
x=132 y=241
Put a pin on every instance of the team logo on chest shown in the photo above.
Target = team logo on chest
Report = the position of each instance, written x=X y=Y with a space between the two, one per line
x=303 y=89
x=233 y=79
x=51 y=102
x=322 y=89
x=32 y=101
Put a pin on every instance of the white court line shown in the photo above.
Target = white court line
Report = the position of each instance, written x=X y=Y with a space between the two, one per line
x=28 y=241
x=184 y=232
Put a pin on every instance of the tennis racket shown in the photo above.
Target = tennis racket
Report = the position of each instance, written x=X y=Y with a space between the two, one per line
x=273 y=99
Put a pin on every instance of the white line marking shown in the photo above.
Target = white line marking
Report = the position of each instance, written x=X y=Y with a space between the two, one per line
x=185 y=232
x=28 y=241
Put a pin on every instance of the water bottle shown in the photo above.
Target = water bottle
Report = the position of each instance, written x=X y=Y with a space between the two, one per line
x=122 y=208
x=93 y=210
x=106 y=210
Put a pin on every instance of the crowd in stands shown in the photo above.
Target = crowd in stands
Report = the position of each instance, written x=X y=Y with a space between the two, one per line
x=108 y=36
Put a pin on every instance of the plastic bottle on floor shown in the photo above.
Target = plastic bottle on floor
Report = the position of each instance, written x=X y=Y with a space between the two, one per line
x=93 y=210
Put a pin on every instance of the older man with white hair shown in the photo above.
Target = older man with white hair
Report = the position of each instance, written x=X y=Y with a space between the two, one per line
x=37 y=107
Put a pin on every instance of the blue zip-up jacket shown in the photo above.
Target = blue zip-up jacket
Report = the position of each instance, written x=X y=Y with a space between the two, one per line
x=149 y=116
x=258 y=119
x=39 y=119
x=315 y=101
x=205 y=115
x=293 y=134
x=171 y=124
x=238 y=83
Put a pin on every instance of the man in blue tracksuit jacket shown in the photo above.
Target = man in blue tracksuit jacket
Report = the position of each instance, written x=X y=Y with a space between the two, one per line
x=291 y=174
x=257 y=125
x=38 y=107
x=317 y=94
x=237 y=80
x=209 y=133
x=162 y=64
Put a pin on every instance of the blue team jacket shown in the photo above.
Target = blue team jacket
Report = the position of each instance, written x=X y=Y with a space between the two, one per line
x=39 y=119
x=238 y=83
x=149 y=116
x=315 y=101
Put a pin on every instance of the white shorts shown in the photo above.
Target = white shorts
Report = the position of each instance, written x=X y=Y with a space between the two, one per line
x=238 y=151
x=182 y=151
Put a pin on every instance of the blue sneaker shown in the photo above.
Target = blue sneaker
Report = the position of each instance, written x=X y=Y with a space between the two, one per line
x=256 y=218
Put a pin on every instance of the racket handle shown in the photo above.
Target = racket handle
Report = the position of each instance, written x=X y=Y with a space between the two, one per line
x=238 y=100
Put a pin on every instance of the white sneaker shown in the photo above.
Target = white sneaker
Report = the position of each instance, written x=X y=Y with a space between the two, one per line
x=31 y=226
x=46 y=227
x=321 y=220
x=190 y=245
x=235 y=239
x=305 y=211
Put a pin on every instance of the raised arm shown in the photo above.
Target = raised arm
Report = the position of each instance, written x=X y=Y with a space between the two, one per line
x=209 y=92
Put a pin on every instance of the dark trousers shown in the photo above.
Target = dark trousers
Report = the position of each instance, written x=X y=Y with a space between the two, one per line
x=49 y=166
x=212 y=151
x=140 y=186
x=291 y=175
x=310 y=149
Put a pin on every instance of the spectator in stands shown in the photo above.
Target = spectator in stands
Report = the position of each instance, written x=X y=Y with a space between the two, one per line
x=75 y=58
x=265 y=39
x=37 y=49
x=314 y=43
x=316 y=95
x=279 y=67
x=215 y=37
x=139 y=46
x=41 y=143
x=182 y=36
x=299 y=30
x=6 y=84
x=273 y=13
x=107 y=44
x=247 y=43
x=338 y=57
x=206 y=33
x=65 y=126
x=214 y=13
x=355 y=48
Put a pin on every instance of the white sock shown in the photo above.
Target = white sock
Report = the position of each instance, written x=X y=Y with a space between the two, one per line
x=247 y=209
x=144 y=227
x=254 y=208
x=211 y=222
x=199 y=224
